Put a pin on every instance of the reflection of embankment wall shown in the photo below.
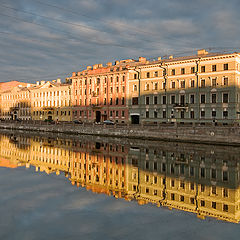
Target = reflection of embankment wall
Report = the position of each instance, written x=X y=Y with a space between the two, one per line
x=200 y=134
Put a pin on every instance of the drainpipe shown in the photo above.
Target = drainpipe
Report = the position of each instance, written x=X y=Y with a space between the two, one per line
x=198 y=90
x=165 y=87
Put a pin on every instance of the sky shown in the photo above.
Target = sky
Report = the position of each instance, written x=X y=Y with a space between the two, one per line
x=46 y=40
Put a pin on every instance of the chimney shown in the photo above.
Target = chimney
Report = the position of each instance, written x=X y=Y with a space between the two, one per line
x=117 y=62
x=159 y=58
x=53 y=81
x=171 y=57
x=202 y=52
x=95 y=66
x=89 y=67
x=37 y=83
x=59 y=80
x=74 y=74
x=28 y=85
x=142 y=59
x=42 y=82
x=109 y=64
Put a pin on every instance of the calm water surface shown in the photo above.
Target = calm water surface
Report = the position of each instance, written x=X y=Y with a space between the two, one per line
x=53 y=187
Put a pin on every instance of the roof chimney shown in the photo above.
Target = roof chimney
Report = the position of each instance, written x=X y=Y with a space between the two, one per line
x=59 y=80
x=42 y=82
x=109 y=64
x=171 y=57
x=142 y=59
x=28 y=85
x=89 y=67
x=202 y=52
x=117 y=62
x=159 y=58
x=37 y=83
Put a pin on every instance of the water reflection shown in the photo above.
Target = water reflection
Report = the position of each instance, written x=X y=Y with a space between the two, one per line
x=195 y=178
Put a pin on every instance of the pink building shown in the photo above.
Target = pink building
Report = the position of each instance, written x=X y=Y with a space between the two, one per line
x=99 y=93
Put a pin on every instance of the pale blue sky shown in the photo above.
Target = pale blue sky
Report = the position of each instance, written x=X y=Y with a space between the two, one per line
x=43 y=40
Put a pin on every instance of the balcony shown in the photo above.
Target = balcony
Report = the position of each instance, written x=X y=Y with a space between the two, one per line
x=180 y=106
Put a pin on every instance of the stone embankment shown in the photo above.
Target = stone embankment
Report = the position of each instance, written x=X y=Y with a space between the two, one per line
x=220 y=135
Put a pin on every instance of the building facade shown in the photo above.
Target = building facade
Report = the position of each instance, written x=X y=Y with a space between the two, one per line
x=201 y=89
x=51 y=101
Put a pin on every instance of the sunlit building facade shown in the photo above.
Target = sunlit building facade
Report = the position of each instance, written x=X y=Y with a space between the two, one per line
x=194 y=89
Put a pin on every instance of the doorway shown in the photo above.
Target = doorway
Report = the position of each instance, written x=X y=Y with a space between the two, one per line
x=98 y=116
x=135 y=119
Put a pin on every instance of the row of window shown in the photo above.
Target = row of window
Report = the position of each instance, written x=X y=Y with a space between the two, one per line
x=116 y=113
x=97 y=81
x=184 y=114
x=182 y=84
x=183 y=71
x=182 y=99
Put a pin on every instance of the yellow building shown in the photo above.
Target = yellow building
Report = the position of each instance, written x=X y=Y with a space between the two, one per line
x=203 y=88
x=51 y=101
x=16 y=102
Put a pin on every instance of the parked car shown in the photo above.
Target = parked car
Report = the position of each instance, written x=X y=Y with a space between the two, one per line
x=77 y=122
x=108 y=122
x=49 y=121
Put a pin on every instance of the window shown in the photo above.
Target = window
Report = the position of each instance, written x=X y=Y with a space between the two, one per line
x=192 y=83
x=225 y=175
x=214 y=82
x=123 y=100
x=147 y=100
x=214 y=190
x=182 y=70
x=203 y=69
x=123 y=113
x=202 y=172
x=155 y=100
x=192 y=200
x=225 y=81
x=147 y=87
x=202 y=203
x=135 y=75
x=116 y=101
x=192 y=69
x=110 y=101
x=148 y=74
x=225 y=97
x=135 y=87
x=192 y=98
x=203 y=98
x=164 y=100
x=182 y=114
x=192 y=186
x=214 y=97
x=202 y=114
x=183 y=84
x=214 y=173
x=225 y=192
x=225 y=114
x=164 y=114
x=147 y=114
x=192 y=114
x=182 y=99
x=155 y=86
x=173 y=99
x=203 y=83
x=225 y=66
x=214 y=68
x=135 y=101
x=156 y=74
x=172 y=196
x=225 y=208
x=182 y=198
x=173 y=84
x=116 y=113
x=214 y=113
x=191 y=171
x=214 y=205
x=173 y=72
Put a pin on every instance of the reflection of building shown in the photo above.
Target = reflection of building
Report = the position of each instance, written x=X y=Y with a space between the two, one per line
x=193 y=178
x=201 y=88
x=52 y=101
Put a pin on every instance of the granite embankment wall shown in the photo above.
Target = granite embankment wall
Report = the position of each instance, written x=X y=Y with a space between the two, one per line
x=223 y=135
